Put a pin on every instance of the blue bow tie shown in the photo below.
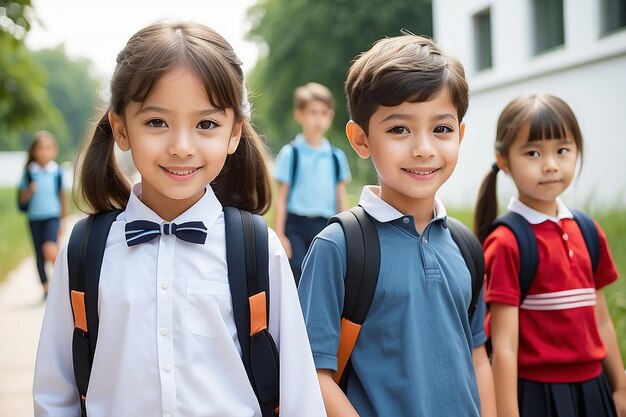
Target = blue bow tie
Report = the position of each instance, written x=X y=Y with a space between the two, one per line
x=140 y=231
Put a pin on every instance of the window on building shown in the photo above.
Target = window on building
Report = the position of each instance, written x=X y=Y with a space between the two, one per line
x=549 y=28
x=613 y=15
x=482 y=40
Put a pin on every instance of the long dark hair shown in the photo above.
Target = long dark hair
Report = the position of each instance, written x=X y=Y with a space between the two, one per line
x=153 y=51
x=548 y=117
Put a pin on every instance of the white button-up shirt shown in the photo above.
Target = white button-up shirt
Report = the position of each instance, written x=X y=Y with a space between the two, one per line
x=167 y=342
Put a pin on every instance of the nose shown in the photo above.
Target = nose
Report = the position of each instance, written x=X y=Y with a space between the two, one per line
x=422 y=146
x=182 y=143
x=550 y=164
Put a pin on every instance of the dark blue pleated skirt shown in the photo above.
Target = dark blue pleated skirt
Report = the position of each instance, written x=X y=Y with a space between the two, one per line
x=593 y=398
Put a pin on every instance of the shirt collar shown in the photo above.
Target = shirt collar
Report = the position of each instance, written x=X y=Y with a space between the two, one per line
x=51 y=166
x=207 y=209
x=300 y=140
x=535 y=217
x=383 y=212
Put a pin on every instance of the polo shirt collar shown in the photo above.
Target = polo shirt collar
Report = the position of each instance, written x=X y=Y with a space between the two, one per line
x=535 y=217
x=207 y=209
x=383 y=212
x=301 y=142
x=51 y=166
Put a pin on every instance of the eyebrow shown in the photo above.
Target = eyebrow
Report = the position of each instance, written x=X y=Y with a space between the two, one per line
x=204 y=112
x=403 y=116
x=534 y=143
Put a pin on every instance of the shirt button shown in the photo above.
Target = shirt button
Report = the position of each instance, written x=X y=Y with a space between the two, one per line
x=405 y=220
x=565 y=237
x=571 y=253
x=164 y=331
x=165 y=285
x=424 y=240
x=167 y=367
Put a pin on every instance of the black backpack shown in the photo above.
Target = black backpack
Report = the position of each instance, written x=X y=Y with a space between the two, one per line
x=362 y=269
x=23 y=207
x=527 y=244
x=246 y=235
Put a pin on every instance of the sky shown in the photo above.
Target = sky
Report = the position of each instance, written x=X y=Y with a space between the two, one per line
x=99 y=29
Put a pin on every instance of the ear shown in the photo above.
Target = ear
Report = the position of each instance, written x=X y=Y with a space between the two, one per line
x=358 y=139
x=235 y=137
x=502 y=162
x=297 y=115
x=461 y=132
x=119 y=131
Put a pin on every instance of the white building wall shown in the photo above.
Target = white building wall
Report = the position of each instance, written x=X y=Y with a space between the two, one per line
x=588 y=72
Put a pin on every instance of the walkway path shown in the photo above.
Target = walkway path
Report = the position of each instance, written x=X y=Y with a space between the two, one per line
x=21 y=313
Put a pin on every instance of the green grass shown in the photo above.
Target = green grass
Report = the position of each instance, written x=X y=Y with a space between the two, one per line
x=15 y=240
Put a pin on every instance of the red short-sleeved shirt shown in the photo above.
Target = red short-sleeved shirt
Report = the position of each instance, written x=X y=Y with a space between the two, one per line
x=559 y=339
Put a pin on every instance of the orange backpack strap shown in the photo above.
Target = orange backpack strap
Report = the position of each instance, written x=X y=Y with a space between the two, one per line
x=362 y=268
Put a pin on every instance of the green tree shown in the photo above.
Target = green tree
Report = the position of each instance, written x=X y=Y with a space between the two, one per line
x=316 y=40
x=23 y=97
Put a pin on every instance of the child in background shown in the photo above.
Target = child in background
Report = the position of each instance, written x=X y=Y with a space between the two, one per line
x=41 y=189
x=417 y=353
x=167 y=341
x=555 y=353
x=311 y=175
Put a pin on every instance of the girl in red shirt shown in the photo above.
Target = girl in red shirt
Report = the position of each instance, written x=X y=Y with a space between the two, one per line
x=555 y=352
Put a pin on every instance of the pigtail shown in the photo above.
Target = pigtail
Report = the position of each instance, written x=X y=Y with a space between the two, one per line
x=244 y=181
x=101 y=184
x=486 y=205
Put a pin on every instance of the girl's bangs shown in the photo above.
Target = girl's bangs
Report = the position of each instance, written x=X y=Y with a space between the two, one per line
x=546 y=123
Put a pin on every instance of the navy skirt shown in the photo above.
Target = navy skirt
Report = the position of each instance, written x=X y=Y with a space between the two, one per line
x=593 y=398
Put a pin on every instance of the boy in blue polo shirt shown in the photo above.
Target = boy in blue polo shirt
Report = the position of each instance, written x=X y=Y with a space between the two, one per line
x=311 y=176
x=418 y=353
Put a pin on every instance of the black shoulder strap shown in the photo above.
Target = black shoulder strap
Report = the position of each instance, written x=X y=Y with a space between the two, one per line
x=294 y=163
x=590 y=233
x=363 y=262
x=249 y=286
x=85 y=253
x=336 y=165
x=59 y=180
x=527 y=245
x=29 y=176
x=472 y=253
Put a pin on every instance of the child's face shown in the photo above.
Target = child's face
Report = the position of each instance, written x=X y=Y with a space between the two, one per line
x=541 y=169
x=315 y=118
x=45 y=150
x=179 y=141
x=414 y=148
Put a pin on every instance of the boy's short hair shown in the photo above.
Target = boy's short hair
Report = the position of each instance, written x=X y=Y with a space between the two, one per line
x=406 y=68
x=312 y=92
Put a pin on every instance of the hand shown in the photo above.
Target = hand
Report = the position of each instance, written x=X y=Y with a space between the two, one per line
x=32 y=187
x=286 y=244
x=619 y=397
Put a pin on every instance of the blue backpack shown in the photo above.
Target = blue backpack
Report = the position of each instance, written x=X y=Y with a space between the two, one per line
x=248 y=278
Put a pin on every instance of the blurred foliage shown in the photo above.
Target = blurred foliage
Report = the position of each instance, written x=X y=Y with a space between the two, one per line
x=70 y=91
x=22 y=92
x=316 y=40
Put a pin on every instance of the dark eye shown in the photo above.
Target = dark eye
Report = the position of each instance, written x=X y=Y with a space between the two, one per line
x=532 y=154
x=207 y=124
x=563 y=150
x=443 y=129
x=156 y=123
x=398 y=130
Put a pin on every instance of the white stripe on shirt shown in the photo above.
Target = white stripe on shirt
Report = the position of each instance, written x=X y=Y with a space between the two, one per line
x=560 y=300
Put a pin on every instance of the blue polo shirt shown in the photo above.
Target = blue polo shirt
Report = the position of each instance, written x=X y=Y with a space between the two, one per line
x=44 y=203
x=314 y=192
x=413 y=356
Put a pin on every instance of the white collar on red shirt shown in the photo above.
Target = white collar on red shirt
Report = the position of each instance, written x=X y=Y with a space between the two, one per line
x=383 y=212
x=207 y=209
x=535 y=217
x=51 y=166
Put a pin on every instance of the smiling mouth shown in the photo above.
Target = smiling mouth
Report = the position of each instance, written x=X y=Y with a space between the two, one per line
x=180 y=172
x=549 y=182
x=420 y=171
